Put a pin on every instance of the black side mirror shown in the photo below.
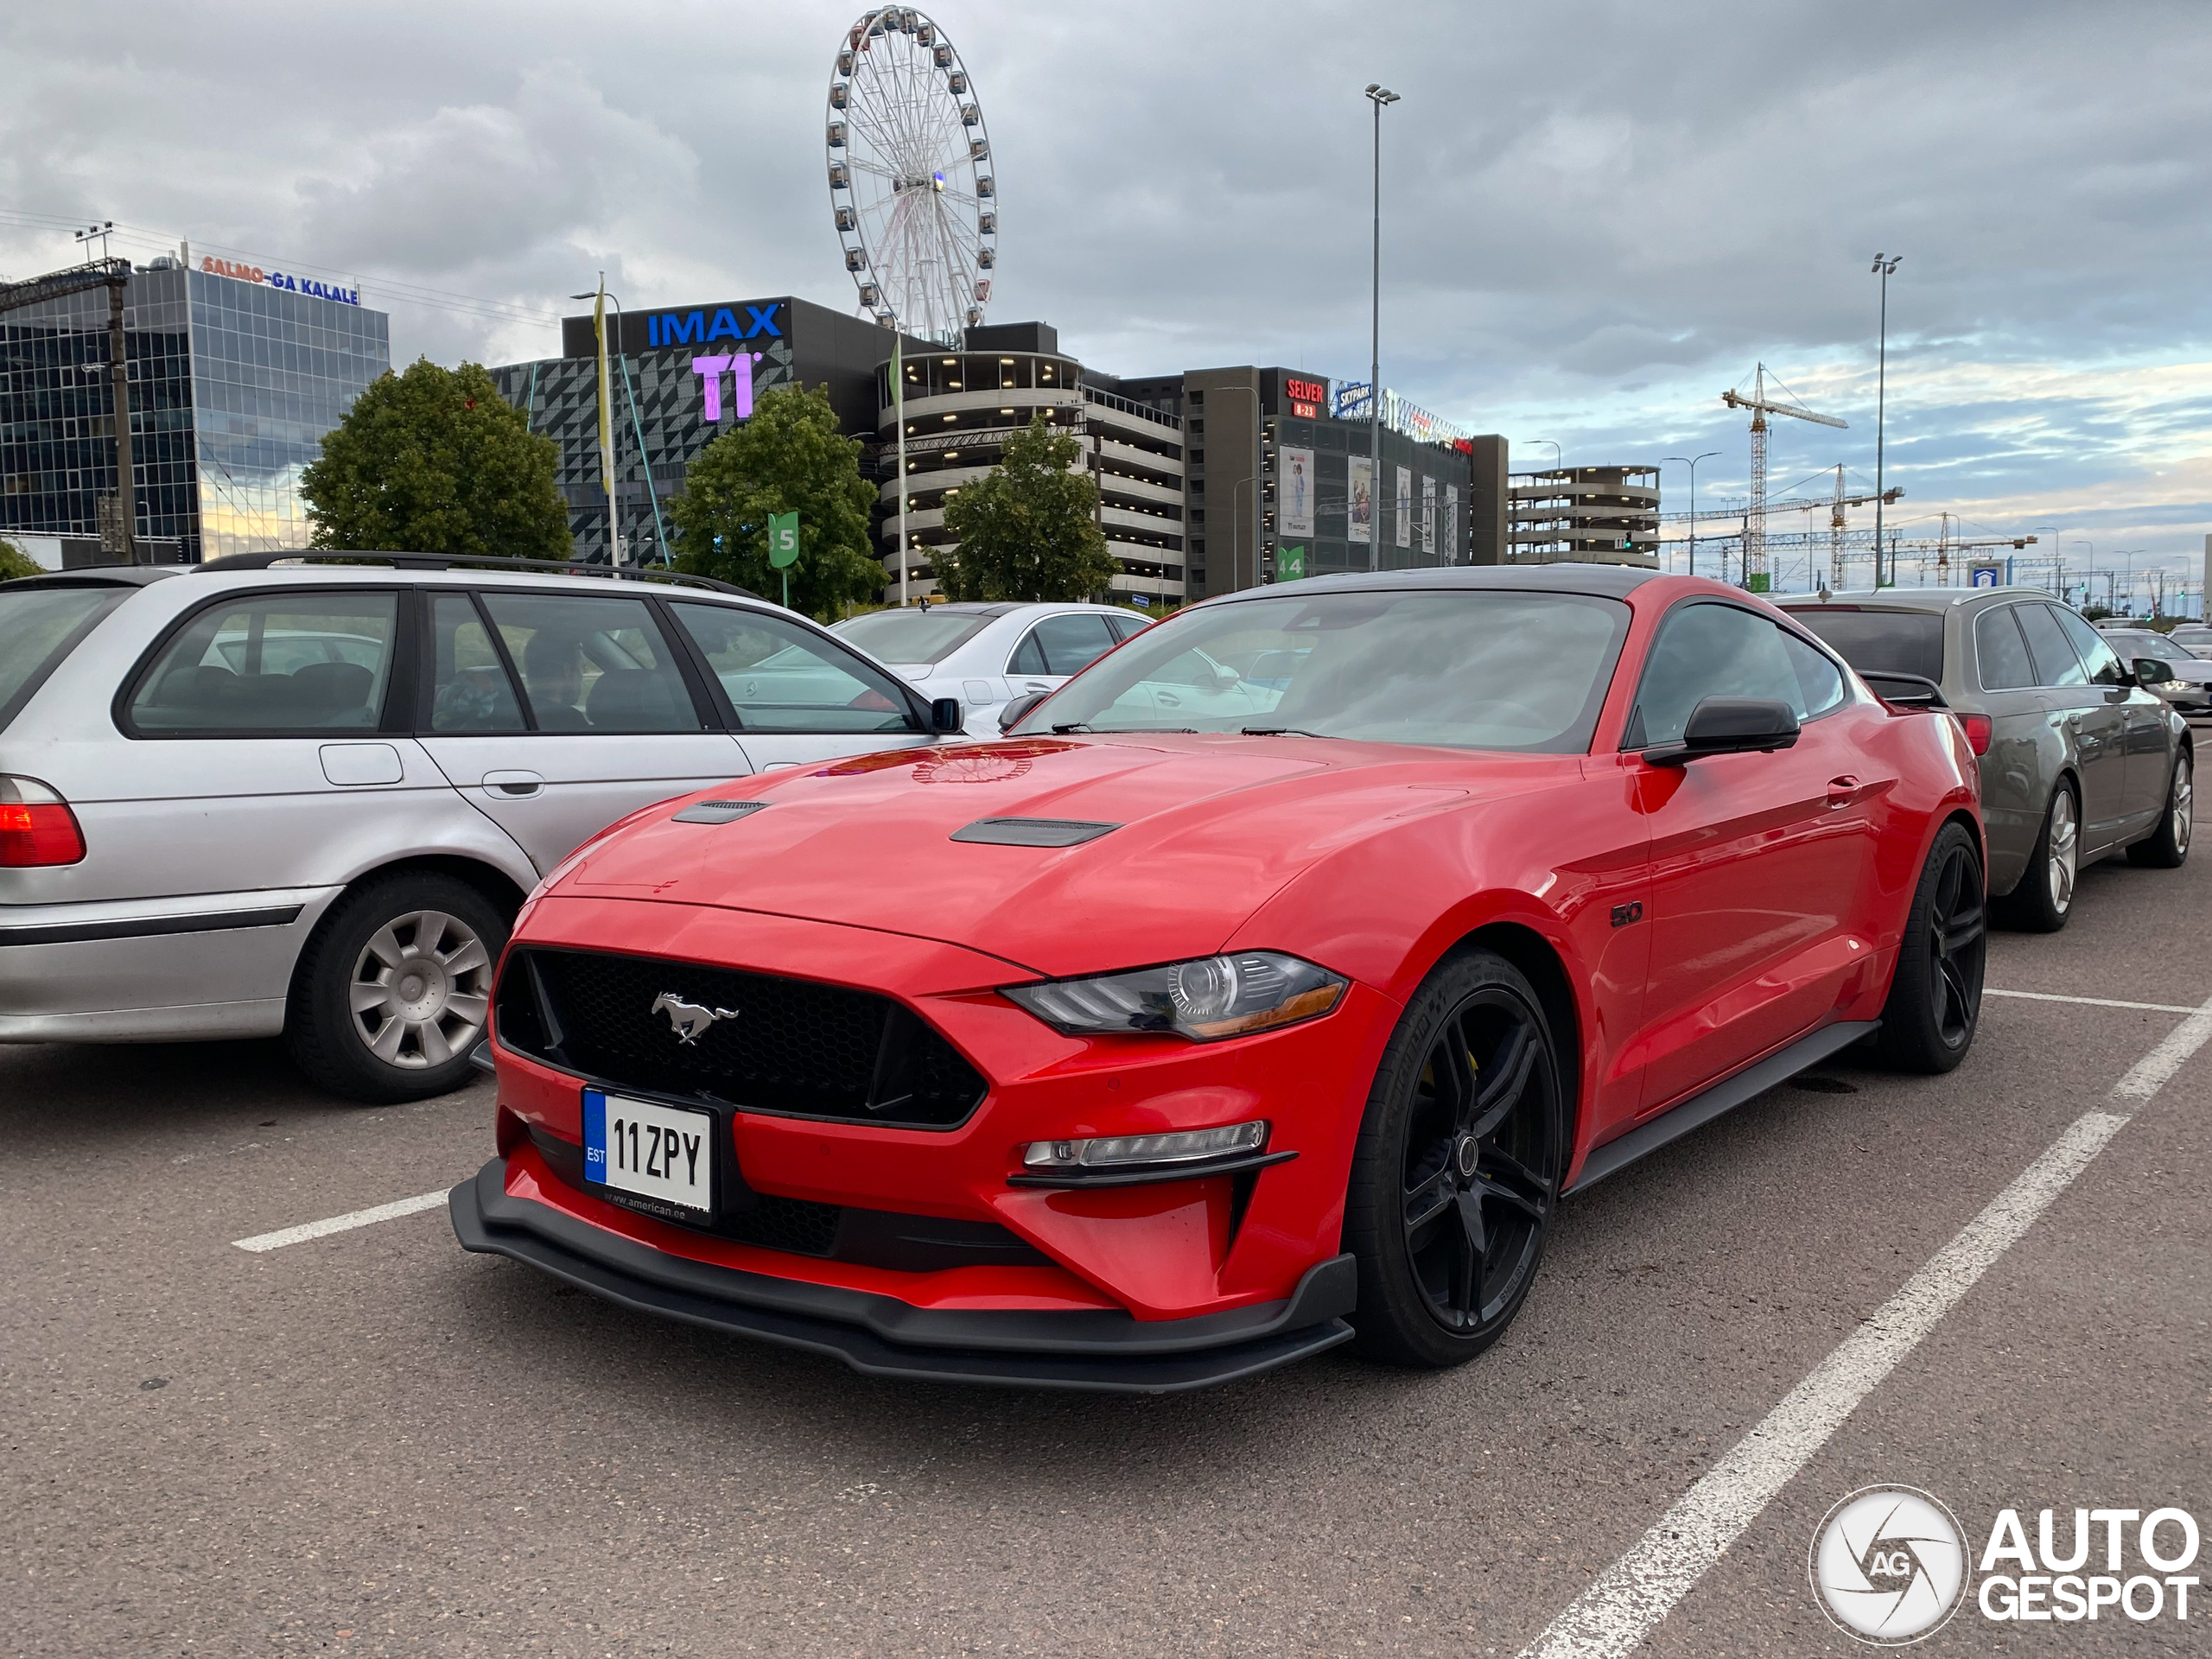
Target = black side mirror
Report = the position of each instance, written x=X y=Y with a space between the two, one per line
x=2149 y=671
x=1730 y=726
x=946 y=716
x=1017 y=711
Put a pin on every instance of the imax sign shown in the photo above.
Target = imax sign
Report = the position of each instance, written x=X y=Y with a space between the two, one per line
x=702 y=326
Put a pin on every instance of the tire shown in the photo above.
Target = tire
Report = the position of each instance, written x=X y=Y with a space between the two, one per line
x=1480 y=1161
x=1935 y=1003
x=352 y=1025
x=2044 y=897
x=2168 y=846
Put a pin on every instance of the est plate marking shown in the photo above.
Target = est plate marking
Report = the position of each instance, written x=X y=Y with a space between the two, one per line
x=656 y=1152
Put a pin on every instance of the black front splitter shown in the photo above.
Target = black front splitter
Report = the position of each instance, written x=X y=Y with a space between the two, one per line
x=1102 y=1350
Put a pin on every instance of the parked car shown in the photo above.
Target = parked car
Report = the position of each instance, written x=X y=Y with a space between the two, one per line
x=1169 y=1055
x=2193 y=637
x=238 y=799
x=985 y=655
x=2188 y=686
x=2078 y=760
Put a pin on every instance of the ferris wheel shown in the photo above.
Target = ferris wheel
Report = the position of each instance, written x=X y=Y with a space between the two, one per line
x=911 y=178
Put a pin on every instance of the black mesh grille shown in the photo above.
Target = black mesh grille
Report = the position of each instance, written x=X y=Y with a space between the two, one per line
x=785 y=1046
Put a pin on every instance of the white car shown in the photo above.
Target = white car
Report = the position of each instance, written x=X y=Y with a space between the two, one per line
x=238 y=800
x=989 y=655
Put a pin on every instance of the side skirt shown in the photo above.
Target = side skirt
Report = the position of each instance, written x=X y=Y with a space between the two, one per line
x=1724 y=1097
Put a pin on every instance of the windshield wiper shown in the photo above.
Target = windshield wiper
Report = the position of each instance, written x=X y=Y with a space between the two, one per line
x=1120 y=731
x=1279 y=731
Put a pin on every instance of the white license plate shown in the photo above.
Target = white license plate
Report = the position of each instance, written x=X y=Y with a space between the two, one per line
x=656 y=1152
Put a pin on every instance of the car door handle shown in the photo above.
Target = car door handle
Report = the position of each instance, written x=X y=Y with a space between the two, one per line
x=515 y=785
x=1842 y=792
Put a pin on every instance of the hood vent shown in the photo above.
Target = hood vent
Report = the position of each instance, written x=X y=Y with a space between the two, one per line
x=716 y=811
x=1033 y=832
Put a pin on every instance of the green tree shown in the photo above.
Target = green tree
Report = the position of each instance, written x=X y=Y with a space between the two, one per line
x=789 y=457
x=15 y=562
x=435 y=461
x=1026 y=529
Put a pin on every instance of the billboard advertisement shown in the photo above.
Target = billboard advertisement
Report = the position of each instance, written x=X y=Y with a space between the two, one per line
x=1451 y=524
x=1404 y=528
x=1352 y=400
x=1359 y=498
x=1294 y=492
x=1428 y=516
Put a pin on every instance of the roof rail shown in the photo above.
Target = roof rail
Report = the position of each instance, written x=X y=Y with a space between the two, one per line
x=468 y=561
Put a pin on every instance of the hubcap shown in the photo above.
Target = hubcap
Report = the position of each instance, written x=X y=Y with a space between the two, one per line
x=2184 y=804
x=2065 y=850
x=1482 y=1156
x=1957 y=945
x=420 y=990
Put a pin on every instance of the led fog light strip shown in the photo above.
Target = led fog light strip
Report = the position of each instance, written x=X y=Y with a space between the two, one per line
x=1128 y=1160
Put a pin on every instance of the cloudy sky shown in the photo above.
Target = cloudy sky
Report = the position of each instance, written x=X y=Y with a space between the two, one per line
x=1597 y=216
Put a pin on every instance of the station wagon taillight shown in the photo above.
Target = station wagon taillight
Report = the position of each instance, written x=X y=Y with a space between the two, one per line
x=1978 y=730
x=36 y=826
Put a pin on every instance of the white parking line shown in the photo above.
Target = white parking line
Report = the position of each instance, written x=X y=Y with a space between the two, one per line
x=1630 y=1597
x=307 y=1230
x=2092 y=1001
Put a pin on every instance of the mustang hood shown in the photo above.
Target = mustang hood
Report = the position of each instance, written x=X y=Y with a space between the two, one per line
x=1204 y=831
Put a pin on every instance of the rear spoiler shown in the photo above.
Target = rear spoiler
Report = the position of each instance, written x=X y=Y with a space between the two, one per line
x=1905 y=690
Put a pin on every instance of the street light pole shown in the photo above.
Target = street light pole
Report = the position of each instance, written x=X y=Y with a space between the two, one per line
x=1378 y=96
x=1690 y=461
x=1883 y=265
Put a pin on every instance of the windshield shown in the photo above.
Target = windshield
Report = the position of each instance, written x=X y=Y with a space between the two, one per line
x=38 y=627
x=912 y=636
x=1477 y=670
x=2161 y=646
x=1881 y=642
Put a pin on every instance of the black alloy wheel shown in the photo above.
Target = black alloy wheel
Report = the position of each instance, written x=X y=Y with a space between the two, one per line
x=1935 y=1002
x=1459 y=1166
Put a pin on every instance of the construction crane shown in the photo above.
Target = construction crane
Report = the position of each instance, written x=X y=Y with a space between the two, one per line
x=1761 y=405
x=113 y=275
x=1836 y=523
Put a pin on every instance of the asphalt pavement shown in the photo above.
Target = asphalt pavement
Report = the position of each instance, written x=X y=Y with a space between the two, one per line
x=370 y=1442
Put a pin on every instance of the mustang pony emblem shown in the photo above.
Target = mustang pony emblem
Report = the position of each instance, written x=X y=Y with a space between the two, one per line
x=691 y=1021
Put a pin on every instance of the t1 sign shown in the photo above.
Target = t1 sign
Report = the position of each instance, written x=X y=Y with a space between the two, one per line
x=710 y=370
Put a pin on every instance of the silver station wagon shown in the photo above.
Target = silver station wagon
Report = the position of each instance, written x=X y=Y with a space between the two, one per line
x=247 y=797
x=2079 y=758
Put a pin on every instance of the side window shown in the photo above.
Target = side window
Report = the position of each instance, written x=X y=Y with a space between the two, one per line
x=1819 y=681
x=2002 y=653
x=2055 y=663
x=593 y=665
x=470 y=690
x=1028 y=655
x=1072 y=644
x=780 y=677
x=2104 y=664
x=302 y=662
x=1712 y=651
x=1126 y=628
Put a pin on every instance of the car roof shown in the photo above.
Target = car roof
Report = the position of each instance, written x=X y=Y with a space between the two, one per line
x=1902 y=599
x=1605 y=581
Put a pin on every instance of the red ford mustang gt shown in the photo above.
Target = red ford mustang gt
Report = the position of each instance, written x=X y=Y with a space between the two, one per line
x=1267 y=989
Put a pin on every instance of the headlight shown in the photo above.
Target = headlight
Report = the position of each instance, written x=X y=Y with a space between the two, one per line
x=1210 y=998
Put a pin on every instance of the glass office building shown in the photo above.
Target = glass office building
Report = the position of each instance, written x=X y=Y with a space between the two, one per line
x=234 y=380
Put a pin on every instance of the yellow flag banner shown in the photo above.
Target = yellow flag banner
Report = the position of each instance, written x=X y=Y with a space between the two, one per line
x=605 y=399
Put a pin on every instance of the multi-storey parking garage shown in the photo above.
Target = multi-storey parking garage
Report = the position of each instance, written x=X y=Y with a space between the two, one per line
x=959 y=408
